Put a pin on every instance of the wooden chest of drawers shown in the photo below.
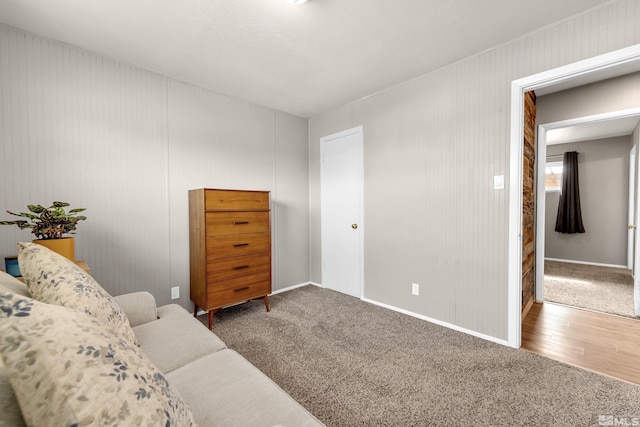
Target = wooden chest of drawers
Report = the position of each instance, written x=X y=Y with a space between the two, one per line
x=229 y=248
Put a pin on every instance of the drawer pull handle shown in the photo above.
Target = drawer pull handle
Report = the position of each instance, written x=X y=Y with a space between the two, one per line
x=241 y=267
x=237 y=245
x=241 y=289
x=240 y=222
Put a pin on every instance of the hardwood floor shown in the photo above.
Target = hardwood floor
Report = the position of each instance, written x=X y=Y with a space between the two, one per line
x=598 y=342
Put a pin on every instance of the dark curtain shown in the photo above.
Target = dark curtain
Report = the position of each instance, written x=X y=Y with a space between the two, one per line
x=569 y=219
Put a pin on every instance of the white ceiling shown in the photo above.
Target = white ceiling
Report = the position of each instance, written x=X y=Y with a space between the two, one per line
x=302 y=59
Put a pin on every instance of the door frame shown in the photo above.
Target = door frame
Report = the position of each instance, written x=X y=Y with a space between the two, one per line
x=541 y=154
x=359 y=132
x=631 y=217
x=636 y=235
x=591 y=66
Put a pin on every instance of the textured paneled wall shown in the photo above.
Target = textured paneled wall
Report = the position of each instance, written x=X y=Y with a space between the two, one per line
x=80 y=128
x=127 y=144
x=431 y=148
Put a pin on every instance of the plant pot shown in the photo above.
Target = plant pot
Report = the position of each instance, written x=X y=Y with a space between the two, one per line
x=64 y=246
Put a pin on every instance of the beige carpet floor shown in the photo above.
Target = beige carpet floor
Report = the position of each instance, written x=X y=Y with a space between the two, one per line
x=603 y=289
x=356 y=364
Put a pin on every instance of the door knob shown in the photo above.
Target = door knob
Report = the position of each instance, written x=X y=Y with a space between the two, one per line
x=630 y=227
x=354 y=226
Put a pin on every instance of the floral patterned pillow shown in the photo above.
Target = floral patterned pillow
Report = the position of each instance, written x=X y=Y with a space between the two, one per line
x=69 y=369
x=54 y=279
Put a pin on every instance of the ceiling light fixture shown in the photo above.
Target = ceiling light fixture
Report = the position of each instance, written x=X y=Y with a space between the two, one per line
x=297 y=1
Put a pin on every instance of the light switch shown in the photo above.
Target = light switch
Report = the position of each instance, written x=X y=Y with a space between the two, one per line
x=498 y=182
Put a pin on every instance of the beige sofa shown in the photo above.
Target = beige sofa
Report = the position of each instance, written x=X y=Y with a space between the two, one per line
x=220 y=386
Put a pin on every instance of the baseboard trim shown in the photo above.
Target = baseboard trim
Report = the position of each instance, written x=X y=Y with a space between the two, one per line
x=292 y=287
x=437 y=322
x=598 y=264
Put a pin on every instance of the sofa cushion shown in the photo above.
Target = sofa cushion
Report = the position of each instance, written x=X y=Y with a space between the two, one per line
x=8 y=283
x=231 y=391
x=10 y=414
x=68 y=368
x=54 y=279
x=176 y=338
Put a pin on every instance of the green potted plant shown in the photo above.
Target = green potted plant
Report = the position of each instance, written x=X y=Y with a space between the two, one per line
x=50 y=225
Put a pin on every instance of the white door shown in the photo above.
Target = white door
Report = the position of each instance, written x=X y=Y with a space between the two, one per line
x=341 y=195
x=632 y=197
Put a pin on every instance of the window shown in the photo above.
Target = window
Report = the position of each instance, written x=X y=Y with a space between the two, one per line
x=553 y=180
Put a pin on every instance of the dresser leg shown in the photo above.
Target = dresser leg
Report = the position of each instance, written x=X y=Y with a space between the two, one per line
x=195 y=310
x=211 y=319
x=266 y=301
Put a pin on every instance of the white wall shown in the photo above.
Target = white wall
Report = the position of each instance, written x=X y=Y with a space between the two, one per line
x=603 y=167
x=431 y=148
x=127 y=144
x=610 y=95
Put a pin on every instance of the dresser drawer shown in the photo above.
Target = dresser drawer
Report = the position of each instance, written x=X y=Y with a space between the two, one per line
x=226 y=245
x=221 y=223
x=236 y=200
x=238 y=282
x=229 y=268
x=239 y=293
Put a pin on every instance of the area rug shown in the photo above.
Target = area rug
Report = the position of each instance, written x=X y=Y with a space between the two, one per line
x=352 y=363
x=603 y=289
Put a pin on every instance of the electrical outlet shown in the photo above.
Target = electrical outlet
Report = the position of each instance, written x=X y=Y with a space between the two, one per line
x=415 y=289
x=175 y=292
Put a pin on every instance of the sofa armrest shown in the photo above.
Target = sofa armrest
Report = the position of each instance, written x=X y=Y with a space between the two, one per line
x=140 y=307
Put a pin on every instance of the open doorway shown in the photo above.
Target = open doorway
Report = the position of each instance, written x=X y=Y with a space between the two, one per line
x=592 y=270
x=597 y=68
